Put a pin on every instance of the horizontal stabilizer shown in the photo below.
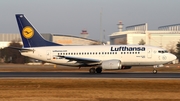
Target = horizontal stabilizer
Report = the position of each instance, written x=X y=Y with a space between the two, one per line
x=21 y=49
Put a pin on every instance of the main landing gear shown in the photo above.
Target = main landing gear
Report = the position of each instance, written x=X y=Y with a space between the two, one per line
x=95 y=70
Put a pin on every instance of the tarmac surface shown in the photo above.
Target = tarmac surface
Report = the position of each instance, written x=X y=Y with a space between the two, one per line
x=86 y=75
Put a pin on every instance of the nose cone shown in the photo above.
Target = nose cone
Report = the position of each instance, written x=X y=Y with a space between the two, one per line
x=172 y=57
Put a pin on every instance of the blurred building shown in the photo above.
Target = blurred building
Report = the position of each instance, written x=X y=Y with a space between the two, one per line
x=6 y=38
x=165 y=36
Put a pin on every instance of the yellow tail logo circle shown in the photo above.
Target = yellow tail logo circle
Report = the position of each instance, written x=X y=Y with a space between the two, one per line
x=28 y=32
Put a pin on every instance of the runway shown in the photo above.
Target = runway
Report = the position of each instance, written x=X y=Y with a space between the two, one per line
x=85 y=75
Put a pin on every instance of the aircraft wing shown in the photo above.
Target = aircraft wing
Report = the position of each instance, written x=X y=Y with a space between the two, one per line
x=82 y=60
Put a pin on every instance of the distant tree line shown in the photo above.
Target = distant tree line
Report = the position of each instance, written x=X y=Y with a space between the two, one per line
x=177 y=53
x=9 y=55
x=142 y=42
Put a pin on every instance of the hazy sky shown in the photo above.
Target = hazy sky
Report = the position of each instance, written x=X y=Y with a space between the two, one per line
x=69 y=17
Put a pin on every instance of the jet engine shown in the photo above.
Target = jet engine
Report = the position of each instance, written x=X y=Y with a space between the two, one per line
x=111 y=64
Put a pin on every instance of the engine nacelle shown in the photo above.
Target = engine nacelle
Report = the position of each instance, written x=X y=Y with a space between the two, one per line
x=111 y=64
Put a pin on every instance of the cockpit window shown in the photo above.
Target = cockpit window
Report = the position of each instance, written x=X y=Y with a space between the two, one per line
x=159 y=51
x=162 y=51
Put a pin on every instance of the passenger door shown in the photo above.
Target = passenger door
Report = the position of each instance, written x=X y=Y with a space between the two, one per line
x=48 y=55
x=149 y=53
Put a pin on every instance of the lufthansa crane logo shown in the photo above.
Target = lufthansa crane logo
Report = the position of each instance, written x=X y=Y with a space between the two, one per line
x=28 y=32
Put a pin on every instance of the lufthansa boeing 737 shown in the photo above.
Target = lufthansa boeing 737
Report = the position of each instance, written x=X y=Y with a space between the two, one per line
x=98 y=57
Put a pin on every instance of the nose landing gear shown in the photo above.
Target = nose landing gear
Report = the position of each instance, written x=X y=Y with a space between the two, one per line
x=156 y=66
x=154 y=71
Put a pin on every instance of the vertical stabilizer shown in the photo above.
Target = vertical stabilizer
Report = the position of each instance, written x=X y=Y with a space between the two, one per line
x=29 y=35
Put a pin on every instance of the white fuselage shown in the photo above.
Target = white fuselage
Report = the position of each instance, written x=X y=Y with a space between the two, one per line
x=129 y=55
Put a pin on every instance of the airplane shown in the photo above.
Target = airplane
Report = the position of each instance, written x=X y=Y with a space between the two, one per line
x=97 y=57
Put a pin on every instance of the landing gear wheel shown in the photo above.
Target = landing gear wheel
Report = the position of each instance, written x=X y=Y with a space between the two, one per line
x=92 y=70
x=98 y=69
x=155 y=71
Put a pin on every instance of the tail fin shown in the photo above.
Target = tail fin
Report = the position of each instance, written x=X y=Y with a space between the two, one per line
x=29 y=35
